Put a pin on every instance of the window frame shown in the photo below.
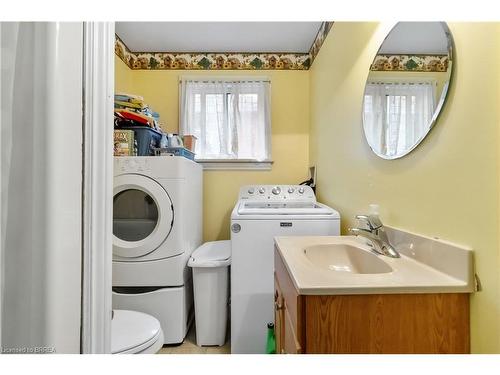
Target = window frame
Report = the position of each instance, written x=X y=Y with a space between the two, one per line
x=232 y=164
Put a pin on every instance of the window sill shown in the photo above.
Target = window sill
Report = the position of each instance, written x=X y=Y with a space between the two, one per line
x=235 y=165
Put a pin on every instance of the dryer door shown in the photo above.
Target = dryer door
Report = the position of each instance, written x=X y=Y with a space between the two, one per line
x=142 y=215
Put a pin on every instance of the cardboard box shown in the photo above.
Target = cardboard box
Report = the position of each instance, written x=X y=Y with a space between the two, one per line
x=124 y=143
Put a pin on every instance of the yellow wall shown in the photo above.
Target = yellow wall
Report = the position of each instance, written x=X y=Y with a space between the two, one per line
x=449 y=185
x=290 y=135
x=123 y=76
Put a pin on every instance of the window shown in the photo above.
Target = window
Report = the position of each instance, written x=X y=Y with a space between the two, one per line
x=230 y=118
x=396 y=115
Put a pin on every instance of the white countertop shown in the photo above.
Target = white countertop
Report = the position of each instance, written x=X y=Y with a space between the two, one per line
x=408 y=275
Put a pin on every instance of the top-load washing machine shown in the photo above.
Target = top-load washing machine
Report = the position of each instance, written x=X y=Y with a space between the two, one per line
x=157 y=223
x=260 y=214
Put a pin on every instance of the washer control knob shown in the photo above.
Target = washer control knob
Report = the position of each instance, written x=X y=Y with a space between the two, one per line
x=235 y=228
x=291 y=190
x=301 y=190
x=251 y=191
x=276 y=190
x=262 y=190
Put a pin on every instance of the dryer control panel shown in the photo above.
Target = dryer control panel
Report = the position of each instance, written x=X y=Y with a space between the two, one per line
x=277 y=193
x=131 y=164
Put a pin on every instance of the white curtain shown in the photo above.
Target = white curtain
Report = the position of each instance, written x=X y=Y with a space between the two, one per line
x=8 y=45
x=397 y=115
x=40 y=165
x=231 y=119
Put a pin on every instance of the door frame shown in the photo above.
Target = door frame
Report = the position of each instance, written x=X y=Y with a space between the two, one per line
x=97 y=189
x=1 y=226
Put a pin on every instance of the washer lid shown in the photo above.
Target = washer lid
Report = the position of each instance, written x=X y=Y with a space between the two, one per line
x=284 y=208
x=133 y=330
x=211 y=254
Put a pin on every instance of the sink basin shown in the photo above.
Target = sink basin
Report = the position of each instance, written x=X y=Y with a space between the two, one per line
x=346 y=265
x=345 y=258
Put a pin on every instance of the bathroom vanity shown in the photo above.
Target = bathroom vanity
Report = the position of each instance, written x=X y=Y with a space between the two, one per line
x=334 y=295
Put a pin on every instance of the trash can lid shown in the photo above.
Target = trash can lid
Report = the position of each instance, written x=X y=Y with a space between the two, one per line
x=211 y=254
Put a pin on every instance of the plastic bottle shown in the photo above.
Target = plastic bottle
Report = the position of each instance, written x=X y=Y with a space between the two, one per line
x=164 y=141
x=175 y=141
x=136 y=147
x=271 y=339
x=374 y=209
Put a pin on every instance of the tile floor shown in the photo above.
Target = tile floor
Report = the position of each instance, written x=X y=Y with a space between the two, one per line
x=189 y=346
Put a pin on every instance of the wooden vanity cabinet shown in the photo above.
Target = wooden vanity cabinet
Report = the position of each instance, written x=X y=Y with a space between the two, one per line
x=372 y=323
x=288 y=322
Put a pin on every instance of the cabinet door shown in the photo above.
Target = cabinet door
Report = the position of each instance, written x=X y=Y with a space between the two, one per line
x=292 y=333
x=290 y=343
x=286 y=339
x=278 y=317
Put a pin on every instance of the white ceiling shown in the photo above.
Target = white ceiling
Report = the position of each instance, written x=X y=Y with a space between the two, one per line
x=218 y=36
x=416 y=38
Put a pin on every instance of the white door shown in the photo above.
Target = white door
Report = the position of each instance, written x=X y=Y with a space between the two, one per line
x=142 y=215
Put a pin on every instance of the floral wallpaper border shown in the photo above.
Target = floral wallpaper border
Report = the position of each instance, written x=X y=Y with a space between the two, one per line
x=221 y=61
x=413 y=63
x=320 y=38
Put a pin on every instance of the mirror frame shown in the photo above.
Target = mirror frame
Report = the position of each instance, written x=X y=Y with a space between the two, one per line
x=442 y=99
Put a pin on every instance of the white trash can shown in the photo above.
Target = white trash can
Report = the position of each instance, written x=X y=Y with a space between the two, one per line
x=210 y=263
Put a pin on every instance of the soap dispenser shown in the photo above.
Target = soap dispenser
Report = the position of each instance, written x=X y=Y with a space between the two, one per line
x=374 y=209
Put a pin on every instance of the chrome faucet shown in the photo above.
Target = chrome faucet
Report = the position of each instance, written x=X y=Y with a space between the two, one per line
x=376 y=234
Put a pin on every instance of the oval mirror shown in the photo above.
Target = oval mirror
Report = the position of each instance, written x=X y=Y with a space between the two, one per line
x=406 y=87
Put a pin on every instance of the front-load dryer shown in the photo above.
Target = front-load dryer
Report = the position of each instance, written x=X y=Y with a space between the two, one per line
x=157 y=219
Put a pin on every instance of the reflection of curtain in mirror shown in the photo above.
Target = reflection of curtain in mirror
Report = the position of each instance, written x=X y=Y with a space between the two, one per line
x=397 y=115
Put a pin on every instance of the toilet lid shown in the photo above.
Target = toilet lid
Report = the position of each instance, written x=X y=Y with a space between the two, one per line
x=133 y=331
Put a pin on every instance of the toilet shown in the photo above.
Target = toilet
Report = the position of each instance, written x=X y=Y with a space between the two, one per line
x=133 y=332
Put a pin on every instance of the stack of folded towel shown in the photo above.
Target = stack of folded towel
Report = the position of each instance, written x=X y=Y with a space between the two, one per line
x=131 y=110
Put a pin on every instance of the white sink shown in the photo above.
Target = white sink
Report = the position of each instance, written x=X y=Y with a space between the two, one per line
x=338 y=265
x=345 y=258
